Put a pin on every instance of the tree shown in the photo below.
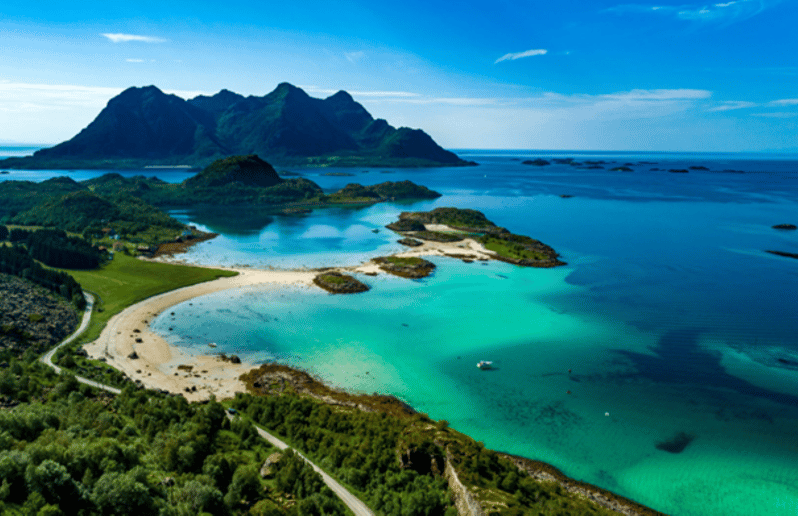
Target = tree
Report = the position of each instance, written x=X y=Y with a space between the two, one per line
x=245 y=486
x=53 y=482
x=120 y=494
x=3 y=232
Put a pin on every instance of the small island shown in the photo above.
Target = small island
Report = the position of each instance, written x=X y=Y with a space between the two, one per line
x=539 y=162
x=788 y=227
x=411 y=267
x=339 y=283
x=456 y=225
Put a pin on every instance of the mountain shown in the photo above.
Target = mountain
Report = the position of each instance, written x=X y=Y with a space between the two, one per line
x=145 y=126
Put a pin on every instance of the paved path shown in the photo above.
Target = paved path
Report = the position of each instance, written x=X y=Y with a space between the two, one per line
x=354 y=504
x=47 y=358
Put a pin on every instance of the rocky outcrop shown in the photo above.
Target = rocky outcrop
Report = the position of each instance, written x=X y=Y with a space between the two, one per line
x=541 y=471
x=413 y=268
x=465 y=502
x=338 y=283
x=32 y=317
x=406 y=225
x=785 y=226
x=410 y=242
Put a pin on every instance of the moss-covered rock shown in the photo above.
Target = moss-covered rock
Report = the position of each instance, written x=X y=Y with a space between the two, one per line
x=405 y=267
x=338 y=283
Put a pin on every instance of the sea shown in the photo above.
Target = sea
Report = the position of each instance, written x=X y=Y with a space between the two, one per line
x=661 y=363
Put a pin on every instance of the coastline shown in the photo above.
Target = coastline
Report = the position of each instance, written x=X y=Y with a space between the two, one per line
x=159 y=365
x=165 y=367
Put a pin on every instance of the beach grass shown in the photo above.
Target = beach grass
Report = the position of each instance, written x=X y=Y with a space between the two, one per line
x=125 y=281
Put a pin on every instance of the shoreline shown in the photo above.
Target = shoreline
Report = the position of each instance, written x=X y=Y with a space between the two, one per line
x=128 y=344
x=165 y=367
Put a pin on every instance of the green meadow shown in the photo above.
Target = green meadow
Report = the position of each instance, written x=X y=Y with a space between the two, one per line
x=125 y=281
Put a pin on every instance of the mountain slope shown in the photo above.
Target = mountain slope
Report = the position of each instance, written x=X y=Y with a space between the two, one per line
x=143 y=123
x=145 y=126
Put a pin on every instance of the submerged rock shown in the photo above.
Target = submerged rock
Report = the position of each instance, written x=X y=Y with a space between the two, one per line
x=676 y=444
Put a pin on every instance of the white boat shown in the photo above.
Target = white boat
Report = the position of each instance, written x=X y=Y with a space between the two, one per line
x=485 y=364
x=212 y=344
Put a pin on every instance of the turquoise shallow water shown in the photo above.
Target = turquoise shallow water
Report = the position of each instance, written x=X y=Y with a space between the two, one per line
x=670 y=315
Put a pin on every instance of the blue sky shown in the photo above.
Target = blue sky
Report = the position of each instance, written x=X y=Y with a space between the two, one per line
x=570 y=74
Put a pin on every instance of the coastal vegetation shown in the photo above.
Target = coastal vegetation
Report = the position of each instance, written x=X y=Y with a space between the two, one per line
x=146 y=127
x=73 y=451
x=399 y=461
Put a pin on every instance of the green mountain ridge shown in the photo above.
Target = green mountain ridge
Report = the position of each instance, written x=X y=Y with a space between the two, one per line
x=144 y=126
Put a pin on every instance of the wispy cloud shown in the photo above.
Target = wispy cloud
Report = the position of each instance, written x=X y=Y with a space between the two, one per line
x=731 y=105
x=778 y=114
x=354 y=57
x=662 y=94
x=127 y=38
x=784 y=102
x=721 y=12
x=134 y=60
x=518 y=55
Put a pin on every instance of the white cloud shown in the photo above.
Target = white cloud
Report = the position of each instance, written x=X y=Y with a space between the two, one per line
x=132 y=60
x=730 y=105
x=725 y=11
x=126 y=38
x=518 y=55
x=776 y=114
x=674 y=94
x=353 y=57
x=784 y=102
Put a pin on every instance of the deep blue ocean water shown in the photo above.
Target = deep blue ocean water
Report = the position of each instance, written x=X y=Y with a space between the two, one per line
x=669 y=315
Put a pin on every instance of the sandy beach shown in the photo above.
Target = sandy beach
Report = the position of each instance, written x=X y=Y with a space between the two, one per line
x=128 y=344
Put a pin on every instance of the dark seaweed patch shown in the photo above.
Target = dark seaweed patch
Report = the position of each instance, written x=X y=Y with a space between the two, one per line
x=676 y=444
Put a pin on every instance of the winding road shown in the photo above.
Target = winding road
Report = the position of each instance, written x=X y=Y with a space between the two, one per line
x=350 y=500
x=47 y=358
x=353 y=503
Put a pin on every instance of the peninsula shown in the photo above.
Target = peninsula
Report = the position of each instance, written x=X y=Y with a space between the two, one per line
x=145 y=127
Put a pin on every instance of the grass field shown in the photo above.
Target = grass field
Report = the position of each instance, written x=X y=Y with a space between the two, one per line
x=125 y=281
